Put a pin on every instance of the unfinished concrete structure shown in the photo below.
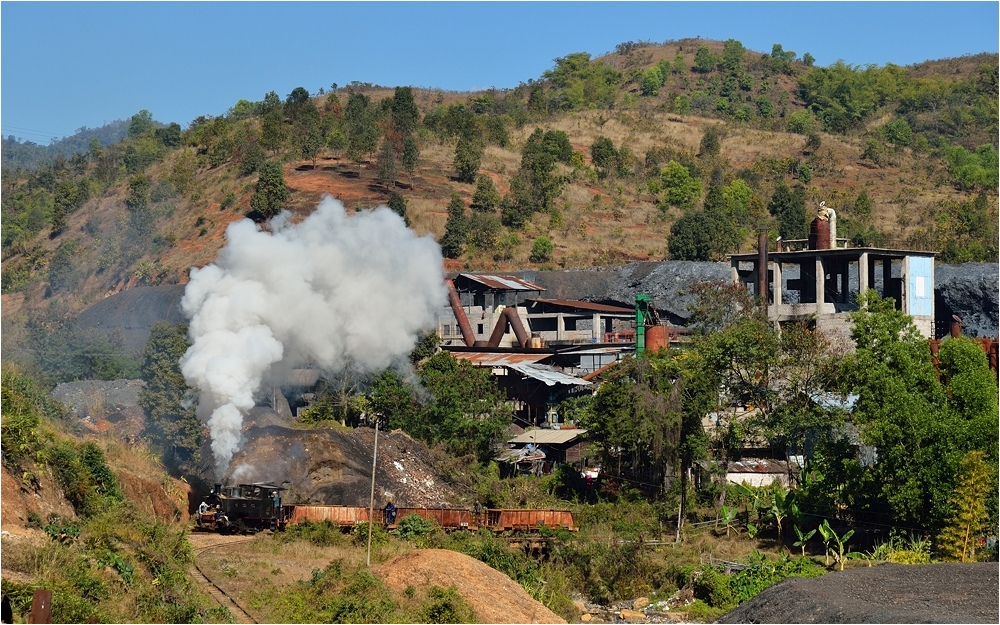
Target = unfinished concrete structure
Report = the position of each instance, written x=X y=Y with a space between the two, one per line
x=821 y=284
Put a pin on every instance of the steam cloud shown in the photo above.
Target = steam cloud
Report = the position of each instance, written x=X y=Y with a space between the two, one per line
x=330 y=290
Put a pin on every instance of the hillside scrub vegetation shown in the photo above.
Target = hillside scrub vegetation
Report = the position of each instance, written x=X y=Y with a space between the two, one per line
x=678 y=150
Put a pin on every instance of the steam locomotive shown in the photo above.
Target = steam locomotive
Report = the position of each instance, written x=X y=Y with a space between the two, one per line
x=250 y=508
x=243 y=509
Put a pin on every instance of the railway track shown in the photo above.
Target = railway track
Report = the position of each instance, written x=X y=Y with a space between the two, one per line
x=218 y=594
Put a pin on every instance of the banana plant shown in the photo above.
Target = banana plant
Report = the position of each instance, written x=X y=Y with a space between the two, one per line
x=840 y=540
x=827 y=534
x=726 y=516
x=803 y=538
x=783 y=507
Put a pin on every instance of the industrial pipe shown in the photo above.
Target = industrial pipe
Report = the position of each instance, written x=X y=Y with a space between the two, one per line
x=762 y=267
x=463 y=320
x=509 y=314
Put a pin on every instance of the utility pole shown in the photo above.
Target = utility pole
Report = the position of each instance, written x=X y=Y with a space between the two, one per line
x=371 y=501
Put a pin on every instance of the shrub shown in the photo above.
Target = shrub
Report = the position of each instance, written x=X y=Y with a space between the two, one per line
x=541 y=250
x=446 y=606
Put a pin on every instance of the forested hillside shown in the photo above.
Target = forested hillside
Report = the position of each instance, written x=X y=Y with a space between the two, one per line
x=679 y=150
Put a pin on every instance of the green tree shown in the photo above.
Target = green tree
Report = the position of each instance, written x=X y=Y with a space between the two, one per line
x=541 y=250
x=704 y=60
x=272 y=132
x=360 y=127
x=680 y=188
x=710 y=142
x=579 y=83
x=536 y=184
x=920 y=426
x=484 y=231
x=395 y=400
x=977 y=484
x=789 y=207
x=468 y=157
x=141 y=123
x=604 y=156
x=404 y=111
x=398 y=205
x=468 y=412
x=692 y=237
x=270 y=194
x=386 y=166
x=166 y=397
x=486 y=198
x=410 y=156
x=456 y=228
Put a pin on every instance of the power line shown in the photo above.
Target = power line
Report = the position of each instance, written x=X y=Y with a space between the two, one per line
x=31 y=131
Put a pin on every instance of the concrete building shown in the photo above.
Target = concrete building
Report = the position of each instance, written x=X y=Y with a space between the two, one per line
x=821 y=284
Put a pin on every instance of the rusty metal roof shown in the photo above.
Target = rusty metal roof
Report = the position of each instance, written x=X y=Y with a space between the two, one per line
x=492 y=359
x=757 y=466
x=581 y=305
x=502 y=283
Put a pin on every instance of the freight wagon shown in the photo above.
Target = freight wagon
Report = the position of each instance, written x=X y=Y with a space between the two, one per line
x=249 y=508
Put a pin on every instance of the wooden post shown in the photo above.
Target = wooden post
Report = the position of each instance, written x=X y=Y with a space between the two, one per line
x=371 y=501
x=41 y=606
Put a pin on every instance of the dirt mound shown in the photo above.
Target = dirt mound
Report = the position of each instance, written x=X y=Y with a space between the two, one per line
x=887 y=593
x=493 y=596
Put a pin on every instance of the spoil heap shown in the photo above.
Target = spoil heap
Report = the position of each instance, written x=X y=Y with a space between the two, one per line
x=493 y=596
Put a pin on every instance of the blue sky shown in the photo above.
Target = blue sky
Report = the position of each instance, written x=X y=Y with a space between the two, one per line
x=68 y=65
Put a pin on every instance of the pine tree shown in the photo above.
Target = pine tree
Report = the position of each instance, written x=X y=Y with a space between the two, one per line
x=456 y=229
x=957 y=541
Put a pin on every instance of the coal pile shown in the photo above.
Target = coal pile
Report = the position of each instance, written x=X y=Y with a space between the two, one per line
x=886 y=593
x=334 y=466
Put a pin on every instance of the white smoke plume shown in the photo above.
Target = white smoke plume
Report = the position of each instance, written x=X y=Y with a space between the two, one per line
x=328 y=290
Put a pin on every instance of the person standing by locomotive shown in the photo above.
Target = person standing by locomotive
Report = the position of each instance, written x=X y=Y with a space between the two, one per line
x=390 y=512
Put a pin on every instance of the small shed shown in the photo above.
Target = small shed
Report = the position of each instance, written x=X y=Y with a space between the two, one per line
x=757 y=472
x=538 y=450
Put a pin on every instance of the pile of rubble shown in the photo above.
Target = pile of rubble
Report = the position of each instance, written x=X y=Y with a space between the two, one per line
x=110 y=407
x=638 y=610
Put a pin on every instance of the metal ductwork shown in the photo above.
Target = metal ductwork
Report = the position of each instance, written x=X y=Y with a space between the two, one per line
x=463 y=321
x=509 y=314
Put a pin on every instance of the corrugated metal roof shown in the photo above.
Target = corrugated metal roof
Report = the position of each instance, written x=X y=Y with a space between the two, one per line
x=581 y=305
x=302 y=377
x=490 y=359
x=758 y=466
x=549 y=375
x=503 y=283
x=543 y=436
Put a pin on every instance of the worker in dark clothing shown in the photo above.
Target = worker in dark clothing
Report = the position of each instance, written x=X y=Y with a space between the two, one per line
x=7 y=612
x=477 y=512
x=390 y=512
